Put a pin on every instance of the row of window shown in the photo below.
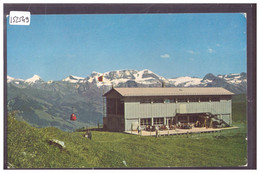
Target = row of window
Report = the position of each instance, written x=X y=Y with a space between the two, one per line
x=174 y=100
x=147 y=121
x=160 y=121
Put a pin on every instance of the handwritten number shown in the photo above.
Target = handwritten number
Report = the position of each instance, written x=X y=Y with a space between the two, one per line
x=27 y=19
x=15 y=19
x=21 y=19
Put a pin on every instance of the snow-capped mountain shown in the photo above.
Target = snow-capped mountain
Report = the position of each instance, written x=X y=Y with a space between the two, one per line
x=185 y=81
x=74 y=79
x=122 y=77
x=34 y=79
x=234 y=78
x=236 y=83
x=10 y=79
x=16 y=81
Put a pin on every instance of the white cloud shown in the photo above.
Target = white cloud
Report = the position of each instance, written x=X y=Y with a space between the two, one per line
x=165 y=56
x=211 y=50
x=217 y=44
x=192 y=52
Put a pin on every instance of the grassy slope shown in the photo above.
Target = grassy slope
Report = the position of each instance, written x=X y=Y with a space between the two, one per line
x=28 y=148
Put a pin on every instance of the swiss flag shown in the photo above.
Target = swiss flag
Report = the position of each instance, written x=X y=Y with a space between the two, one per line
x=100 y=78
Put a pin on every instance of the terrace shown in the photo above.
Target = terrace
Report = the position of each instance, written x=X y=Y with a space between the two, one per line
x=179 y=131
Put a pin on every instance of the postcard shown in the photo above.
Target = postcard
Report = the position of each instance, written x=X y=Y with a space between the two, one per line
x=128 y=86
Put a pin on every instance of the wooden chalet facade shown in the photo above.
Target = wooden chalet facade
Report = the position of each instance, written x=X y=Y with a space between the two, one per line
x=128 y=108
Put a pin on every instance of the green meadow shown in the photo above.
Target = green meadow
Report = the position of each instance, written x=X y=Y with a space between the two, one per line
x=29 y=147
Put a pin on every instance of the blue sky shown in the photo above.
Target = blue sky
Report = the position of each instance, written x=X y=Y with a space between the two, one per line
x=171 y=45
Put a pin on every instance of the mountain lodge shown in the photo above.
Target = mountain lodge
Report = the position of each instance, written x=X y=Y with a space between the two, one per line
x=130 y=108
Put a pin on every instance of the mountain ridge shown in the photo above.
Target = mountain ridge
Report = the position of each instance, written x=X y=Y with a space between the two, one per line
x=143 y=78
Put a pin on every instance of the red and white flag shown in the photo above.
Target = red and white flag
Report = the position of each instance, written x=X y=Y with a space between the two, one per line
x=100 y=78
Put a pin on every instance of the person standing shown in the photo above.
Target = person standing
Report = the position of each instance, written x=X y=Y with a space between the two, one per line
x=211 y=123
x=138 y=130
x=90 y=135
x=205 y=123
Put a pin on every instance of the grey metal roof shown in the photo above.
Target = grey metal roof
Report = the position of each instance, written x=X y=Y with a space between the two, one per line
x=172 y=91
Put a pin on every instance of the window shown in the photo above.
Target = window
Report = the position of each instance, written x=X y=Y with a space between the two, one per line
x=193 y=119
x=182 y=99
x=158 y=121
x=193 y=99
x=145 y=121
x=204 y=99
x=173 y=100
x=158 y=100
x=182 y=119
x=215 y=99
x=225 y=97
x=166 y=100
x=170 y=100
x=145 y=101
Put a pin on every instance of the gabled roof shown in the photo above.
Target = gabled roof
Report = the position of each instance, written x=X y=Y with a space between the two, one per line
x=128 y=92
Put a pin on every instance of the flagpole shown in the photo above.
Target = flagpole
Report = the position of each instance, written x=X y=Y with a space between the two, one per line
x=100 y=79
